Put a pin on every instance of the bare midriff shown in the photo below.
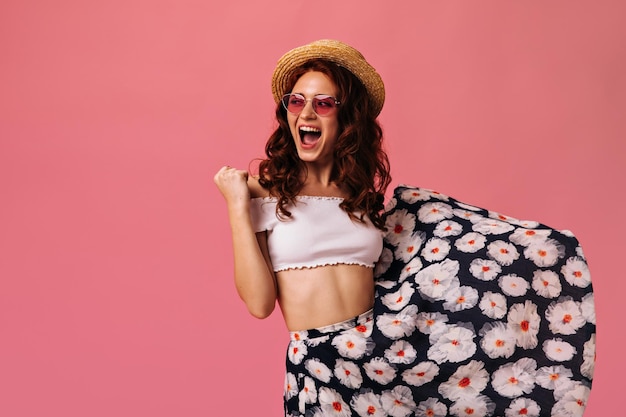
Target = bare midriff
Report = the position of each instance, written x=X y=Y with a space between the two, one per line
x=324 y=295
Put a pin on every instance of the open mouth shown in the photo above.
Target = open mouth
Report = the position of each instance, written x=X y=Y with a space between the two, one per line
x=309 y=135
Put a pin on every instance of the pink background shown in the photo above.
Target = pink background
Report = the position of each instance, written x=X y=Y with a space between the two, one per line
x=116 y=293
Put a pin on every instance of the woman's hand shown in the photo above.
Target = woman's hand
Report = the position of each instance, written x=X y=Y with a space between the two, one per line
x=254 y=276
x=233 y=184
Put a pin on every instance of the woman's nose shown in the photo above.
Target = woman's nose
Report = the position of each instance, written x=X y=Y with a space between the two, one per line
x=308 y=112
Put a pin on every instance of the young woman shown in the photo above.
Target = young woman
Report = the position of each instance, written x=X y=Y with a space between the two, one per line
x=473 y=313
x=307 y=231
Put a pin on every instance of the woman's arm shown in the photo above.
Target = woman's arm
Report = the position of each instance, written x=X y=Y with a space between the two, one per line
x=254 y=277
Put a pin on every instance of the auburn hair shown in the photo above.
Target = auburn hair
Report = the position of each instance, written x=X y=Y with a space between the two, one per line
x=361 y=166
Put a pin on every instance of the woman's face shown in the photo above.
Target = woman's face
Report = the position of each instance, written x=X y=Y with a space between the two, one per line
x=314 y=135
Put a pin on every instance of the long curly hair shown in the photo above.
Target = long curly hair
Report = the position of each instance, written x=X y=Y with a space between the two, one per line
x=361 y=166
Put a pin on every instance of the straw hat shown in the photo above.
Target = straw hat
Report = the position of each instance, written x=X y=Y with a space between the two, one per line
x=331 y=50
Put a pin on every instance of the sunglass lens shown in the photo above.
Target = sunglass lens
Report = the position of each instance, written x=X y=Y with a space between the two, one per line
x=294 y=103
x=323 y=105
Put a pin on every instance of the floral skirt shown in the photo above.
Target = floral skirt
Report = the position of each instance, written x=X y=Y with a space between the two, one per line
x=476 y=314
x=326 y=357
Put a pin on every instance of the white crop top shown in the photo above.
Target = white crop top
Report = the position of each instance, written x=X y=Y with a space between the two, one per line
x=318 y=233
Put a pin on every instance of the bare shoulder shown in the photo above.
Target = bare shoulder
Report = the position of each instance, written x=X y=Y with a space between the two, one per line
x=256 y=190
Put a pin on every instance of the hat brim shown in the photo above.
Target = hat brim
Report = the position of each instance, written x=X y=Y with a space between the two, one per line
x=334 y=51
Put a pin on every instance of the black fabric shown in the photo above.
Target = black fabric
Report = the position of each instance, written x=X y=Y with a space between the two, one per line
x=476 y=314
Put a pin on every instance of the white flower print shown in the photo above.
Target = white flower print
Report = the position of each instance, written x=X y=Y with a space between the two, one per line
x=573 y=403
x=291 y=385
x=332 y=328
x=480 y=406
x=437 y=331
x=523 y=407
x=470 y=242
x=461 y=298
x=526 y=237
x=401 y=351
x=589 y=357
x=493 y=305
x=467 y=215
x=456 y=345
x=400 y=225
x=385 y=284
x=544 y=253
x=502 y=217
x=554 y=377
x=409 y=248
x=297 y=351
x=410 y=269
x=502 y=252
x=515 y=379
x=314 y=341
x=331 y=404
x=395 y=326
x=562 y=389
x=380 y=371
x=558 y=350
x=301 y=335
x=524 y=321
x=512 y=285
x=435 y=249
x=366 y=404
x=546 y=283
x=391 y=204
x=467 y=382
x=308 y=394
x=434 y=212
x=528 y=224
x=447 y=228
x=492 y=227
x=432 y=323
x=484 y=269
x=576 y=272
x=364 y=327
x=384 y=262
x=420 y=374
x=437 y=195
x=564 y=316
x=436 y=279
x=588 y=308
x=318 y=370
x=398 y=402
x=397 y=300
x=498 y=341
x=348 y=373
x=431 y=408
x=413 y=195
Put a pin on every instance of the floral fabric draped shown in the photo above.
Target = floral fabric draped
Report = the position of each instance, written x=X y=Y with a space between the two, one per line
x=476 y=314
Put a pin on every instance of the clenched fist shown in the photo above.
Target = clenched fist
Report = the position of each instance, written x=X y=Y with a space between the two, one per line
x=233 y=184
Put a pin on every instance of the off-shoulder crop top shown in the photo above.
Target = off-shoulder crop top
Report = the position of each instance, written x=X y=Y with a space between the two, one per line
x=318 y=233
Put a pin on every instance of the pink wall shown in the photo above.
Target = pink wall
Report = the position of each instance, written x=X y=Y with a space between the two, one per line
x=116 y=294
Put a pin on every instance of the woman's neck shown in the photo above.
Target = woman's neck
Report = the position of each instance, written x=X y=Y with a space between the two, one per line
x=319 y=188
